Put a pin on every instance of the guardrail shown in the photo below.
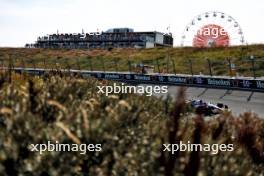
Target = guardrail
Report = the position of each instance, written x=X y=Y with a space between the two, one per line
x=221 y=82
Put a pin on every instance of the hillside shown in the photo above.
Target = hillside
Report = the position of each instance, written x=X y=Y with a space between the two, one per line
x=117 y=59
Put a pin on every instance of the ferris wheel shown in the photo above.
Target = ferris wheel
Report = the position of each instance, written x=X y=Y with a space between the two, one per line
x=212 y=29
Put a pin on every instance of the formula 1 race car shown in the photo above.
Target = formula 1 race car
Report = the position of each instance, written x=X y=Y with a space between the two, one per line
x=207 y=109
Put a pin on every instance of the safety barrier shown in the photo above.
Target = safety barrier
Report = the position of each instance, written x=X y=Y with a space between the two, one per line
x=235 y=83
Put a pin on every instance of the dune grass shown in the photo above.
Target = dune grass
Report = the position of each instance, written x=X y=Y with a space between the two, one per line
x=168 y=59
x=131 y=129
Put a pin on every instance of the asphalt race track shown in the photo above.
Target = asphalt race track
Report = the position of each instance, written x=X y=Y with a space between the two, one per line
x=238 y=101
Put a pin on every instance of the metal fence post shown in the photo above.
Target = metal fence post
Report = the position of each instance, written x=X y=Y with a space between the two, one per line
x=22 y=63
x=34 y=64
x=2 y=67
x=57 y=66
x=210 y=67
x=91 y=64
x=129 y=66
x=174 y=66
x=44 y=62
x=23 y=66
x=167 y=68
x=191 y=66
x=78 y=63
x=102 y=60
x=9 y=69
x=157 y=60
x=252 y=58
x=67 y=65
x=2 y=64
x=229 y=66
x=116 y=66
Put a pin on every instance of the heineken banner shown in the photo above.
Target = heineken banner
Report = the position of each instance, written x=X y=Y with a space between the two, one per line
x=196 y=81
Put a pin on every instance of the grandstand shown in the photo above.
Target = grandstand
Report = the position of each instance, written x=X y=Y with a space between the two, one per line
x=112 y=38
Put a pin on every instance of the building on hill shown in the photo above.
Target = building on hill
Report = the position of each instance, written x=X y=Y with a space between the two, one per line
x=112 y=38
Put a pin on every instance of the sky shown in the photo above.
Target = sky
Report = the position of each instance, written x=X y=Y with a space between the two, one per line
x=22 y=21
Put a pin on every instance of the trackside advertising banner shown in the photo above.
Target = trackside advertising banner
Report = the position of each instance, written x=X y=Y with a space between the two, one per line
x=211 y=82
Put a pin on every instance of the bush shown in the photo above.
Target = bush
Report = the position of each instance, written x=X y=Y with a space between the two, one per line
x=130 y=128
